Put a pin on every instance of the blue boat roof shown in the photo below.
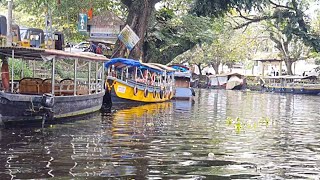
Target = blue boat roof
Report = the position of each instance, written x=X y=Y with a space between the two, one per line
x=134 y=63
x=180 y=68
x=128 y=62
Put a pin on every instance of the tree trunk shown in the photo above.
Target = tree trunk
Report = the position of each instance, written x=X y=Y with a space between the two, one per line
x=216 y=66
x=138 y=19
x=289 y=66
x=199 y=67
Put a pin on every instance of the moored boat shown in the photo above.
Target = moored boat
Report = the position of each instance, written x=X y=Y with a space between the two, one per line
x=292 y=84
x=229 y=81
x=129 y=80
x=32 y=99
x=182 y=78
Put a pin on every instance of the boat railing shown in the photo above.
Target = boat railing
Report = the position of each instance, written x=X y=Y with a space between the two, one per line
x=276 y=84
x=15 y=85
x=94 y=84
x=65 y=87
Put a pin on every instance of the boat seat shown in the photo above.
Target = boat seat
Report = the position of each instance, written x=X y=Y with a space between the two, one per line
x=67 y=88
x=30 y=85
x=47 y=86
x=82 y=90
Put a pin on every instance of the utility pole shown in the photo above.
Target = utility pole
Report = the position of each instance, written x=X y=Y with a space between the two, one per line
x=9 y=23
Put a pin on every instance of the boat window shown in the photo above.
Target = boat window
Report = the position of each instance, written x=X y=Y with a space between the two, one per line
x=131 y=73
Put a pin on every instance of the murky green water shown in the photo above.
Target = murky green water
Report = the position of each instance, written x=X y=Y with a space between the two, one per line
x=223 y=135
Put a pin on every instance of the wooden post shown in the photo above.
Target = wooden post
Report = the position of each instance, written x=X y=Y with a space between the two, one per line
x=96 y=84
x=9 y=23
x=12 y=71
x=280 y=68
x=262 y=69
x=53 y=76
x=75 y=77
x=89 y=77
x=102 y=76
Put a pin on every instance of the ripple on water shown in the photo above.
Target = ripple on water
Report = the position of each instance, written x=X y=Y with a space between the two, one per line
x=221 y=135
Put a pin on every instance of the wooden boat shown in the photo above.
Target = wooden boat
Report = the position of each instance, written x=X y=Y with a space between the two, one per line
x=129 y=80
x=182 y=78
x=292 y=84
x=229 y=81
x=30 y=99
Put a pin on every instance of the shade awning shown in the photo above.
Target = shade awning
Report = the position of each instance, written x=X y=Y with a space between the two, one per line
x=38 y=54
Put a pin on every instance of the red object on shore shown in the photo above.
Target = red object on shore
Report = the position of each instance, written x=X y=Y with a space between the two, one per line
x=5 y=75
x=90 y=13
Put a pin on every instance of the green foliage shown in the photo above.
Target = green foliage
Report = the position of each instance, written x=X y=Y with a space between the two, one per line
x=316 y=57
x=19 y=66
x=227 y=47
x=220 y=7
x=241 y=124
x=173 y=34
x=179 y=25
x=286 y=31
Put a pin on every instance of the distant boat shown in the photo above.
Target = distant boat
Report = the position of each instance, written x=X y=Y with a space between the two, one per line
x=292 y=84
x=30 y=99
x=129 y=80
x=229 y=81
x=182 y=77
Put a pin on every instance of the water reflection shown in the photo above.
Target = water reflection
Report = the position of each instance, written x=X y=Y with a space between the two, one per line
x=222 y=135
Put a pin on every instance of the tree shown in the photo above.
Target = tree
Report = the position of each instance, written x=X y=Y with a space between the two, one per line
x=170 y=37
x=139 y=12
x=283 y=32
x=291 y=48
x=227 y=47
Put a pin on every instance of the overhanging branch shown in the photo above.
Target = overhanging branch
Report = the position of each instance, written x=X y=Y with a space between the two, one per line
x=257 y=19
x=280 y=6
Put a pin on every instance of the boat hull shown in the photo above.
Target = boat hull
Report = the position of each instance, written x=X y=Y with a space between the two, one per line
x=122 y=92
x=31 y=108
x=182 y=93
x=295 y=90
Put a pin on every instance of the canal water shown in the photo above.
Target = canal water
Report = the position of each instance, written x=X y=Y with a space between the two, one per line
x=222 y=135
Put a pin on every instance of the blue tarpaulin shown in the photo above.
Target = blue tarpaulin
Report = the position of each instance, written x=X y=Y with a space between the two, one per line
x=179 y=68
x=130 y=62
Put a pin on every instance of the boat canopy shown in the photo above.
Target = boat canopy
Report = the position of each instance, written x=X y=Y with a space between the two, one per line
x=122 y=62
x=183 y=74
x=290 y=77
x=180 y=67
x=39 y=54
x=230 y=74
x=164 y=67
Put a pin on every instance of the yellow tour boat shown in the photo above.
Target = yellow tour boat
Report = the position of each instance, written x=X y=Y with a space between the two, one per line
x=129 y=80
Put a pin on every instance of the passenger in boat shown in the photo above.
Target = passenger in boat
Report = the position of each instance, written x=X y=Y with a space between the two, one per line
x=92 y=47
x=273 y=72
x=99 y=49
x=153 y=79
x=138 y=77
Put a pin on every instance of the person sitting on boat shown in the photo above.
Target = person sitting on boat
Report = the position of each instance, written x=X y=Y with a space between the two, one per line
x=273 y=72
x=153 y=79
x=142 y=78
x=99 y=49
x=92 y=47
